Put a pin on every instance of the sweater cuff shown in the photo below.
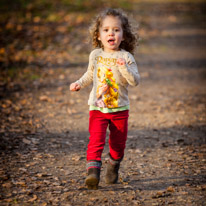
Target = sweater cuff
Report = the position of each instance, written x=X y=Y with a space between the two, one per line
x=123 y=68
x=79 y=83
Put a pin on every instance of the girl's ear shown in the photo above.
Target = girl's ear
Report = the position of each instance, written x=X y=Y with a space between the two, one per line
x=98 y=35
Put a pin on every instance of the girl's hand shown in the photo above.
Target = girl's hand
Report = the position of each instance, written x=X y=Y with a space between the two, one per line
x=75 y=87
x=121 y=62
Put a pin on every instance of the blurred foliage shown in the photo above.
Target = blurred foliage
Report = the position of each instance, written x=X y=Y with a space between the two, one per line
x=45 y=33
x=30 y=27
x=44 y=7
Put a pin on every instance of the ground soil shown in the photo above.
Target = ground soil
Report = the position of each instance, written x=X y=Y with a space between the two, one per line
x=44 y=126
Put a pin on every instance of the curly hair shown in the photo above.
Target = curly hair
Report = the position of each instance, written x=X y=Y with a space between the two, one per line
x=130 y=38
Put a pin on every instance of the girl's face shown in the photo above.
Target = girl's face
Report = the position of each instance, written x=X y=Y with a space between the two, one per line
x=111 y=33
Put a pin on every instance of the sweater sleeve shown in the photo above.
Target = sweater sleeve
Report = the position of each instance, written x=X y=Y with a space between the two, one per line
x=130 y=71
x=87 y=77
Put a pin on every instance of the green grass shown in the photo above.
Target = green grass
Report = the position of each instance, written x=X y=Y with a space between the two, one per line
x=26 y=74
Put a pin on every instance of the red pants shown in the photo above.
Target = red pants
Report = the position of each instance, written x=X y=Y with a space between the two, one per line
x=118 y=126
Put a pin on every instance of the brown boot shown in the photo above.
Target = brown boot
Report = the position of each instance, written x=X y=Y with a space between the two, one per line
x=112 y=172
x=93 y=178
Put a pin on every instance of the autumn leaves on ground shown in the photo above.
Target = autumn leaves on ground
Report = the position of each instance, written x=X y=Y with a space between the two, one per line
x=44 y=127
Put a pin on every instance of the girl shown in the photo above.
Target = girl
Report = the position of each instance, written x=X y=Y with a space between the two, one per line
x=111 y=69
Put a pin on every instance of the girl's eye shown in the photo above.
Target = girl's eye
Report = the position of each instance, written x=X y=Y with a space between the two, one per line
x=116 y=30
x=105 y=30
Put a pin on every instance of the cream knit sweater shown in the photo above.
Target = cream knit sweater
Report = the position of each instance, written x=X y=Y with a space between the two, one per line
x=110 y=81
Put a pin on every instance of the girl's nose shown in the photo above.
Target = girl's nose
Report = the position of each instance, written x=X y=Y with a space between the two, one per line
x=111 y=33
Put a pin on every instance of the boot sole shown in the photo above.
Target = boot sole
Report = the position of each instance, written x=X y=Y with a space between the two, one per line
x=111 y=178
x=92 y=183
x=110 y=182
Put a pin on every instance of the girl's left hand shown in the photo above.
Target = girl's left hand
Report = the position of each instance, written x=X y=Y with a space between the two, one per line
x=121 y=62
x=75 y=87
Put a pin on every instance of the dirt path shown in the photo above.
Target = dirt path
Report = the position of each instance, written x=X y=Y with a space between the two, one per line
x=44 y=127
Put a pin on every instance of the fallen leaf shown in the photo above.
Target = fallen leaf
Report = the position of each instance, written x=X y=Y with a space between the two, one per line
x=26 y=141
x=160 y=194
x=7 y=185
x=8 y=200
x=44 y=98
x=23 y=184
x=24 y=101
x=170 y=189
x=33 y=198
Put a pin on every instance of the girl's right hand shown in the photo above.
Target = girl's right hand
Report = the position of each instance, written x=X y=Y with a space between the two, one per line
x=75 y=87
x=121 y=62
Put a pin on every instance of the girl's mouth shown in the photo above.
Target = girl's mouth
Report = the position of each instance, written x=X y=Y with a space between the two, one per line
x=111 y=41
